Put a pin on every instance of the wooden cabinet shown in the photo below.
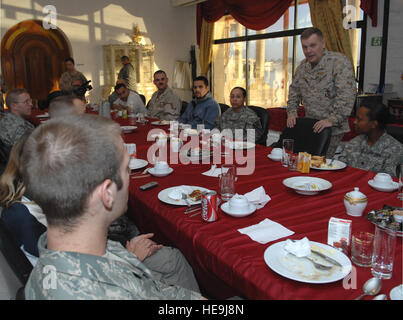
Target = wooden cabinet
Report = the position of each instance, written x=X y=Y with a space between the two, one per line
x=142 y=59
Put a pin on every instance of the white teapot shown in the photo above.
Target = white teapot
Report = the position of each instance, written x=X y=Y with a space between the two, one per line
x=355 y=202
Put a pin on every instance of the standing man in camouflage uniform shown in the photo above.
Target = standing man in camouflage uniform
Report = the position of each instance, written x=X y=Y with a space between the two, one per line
x=373 y=149
x=128 y=73
x=164 y=103
x=80 y=179
x=12 y=122
x=324 y=83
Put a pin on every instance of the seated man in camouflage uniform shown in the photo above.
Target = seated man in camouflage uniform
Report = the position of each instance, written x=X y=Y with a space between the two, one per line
x=373 y=149
x=164 y=103
x=80 y=179
x=240 y=117
x=12 y=122
x=324 y=83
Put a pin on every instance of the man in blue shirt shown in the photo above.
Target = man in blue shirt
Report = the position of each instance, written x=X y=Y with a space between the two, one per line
x=203 y=109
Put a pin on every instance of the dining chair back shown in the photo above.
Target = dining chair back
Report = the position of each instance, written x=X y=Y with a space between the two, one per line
x=223 y=107
x=264 y=116
x=305 y=140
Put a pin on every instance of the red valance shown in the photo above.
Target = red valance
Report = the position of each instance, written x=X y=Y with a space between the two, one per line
x=370 y=7
x=256 y=15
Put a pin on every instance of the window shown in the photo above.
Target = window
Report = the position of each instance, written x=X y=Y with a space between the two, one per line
x=263 y=61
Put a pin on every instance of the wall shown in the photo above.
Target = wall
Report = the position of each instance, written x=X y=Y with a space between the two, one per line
x=394 y=59
x=90 y=24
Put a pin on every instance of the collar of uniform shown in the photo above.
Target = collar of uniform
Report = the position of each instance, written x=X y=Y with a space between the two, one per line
x=89 y=270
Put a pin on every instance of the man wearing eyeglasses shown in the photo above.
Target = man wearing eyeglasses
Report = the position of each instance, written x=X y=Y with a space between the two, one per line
x=12 y=122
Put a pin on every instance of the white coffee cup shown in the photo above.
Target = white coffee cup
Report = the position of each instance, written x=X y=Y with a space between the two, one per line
x=238 y=203
x=382 y=179
x=161 y=166
x=277 y=152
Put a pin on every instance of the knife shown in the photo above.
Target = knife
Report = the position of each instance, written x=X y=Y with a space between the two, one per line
x=331 y=260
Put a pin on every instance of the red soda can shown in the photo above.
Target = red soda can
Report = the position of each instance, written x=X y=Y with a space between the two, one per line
x=209 y=206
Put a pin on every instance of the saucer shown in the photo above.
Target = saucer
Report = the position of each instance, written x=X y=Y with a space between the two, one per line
x=387 y=188
x=160 y=173
x=226 y=208
x=396 y=293
x=274 y=158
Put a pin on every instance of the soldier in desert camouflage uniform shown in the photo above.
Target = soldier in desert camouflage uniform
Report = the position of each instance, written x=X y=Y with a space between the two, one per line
x=373 y=149
x=240 y=117
x=164 y=103
x=76 y=259
x=324 y=83
x=12 y=122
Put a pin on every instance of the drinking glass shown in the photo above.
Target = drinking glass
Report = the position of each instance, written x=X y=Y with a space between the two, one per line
x=292 y=162
x=288 y=146
x=227 y=181
x=362 y=245
x=384 y=252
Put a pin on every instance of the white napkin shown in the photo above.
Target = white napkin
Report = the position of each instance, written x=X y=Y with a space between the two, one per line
x=266 y=231
x=214 y=171
x=300 y=248
x=258 y=197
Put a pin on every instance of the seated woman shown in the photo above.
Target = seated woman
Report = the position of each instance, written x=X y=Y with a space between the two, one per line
x=373 y=149
x=240 y=117
x=23 y=218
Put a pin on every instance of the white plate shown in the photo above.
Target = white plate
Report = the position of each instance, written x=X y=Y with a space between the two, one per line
x=160 y=123
x=164 y=195
x=158 y=173
x=396 y=293
x=270 y=156
x=240 y=145
x=297 y=183
x=127 y=129
x=251 y=209
x=336 y=165
x=137 y=164
x=41 y=116
x=392 y=187
x=299 y=269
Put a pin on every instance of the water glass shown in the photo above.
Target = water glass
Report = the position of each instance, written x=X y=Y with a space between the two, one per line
x=288 y=148
x=384 y=252
x=292 y=162
x=131 y=149
x=362 y=245
x=227 y=182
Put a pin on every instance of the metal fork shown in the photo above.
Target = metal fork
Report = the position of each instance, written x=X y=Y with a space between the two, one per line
x=185 y=197
x=317 y=265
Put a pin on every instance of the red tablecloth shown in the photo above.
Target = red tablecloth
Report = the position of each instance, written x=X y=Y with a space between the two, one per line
x=228 y=263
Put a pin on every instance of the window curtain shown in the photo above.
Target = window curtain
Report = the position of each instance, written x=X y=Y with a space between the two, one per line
x=370 y=7
x=327 y=16
x=206 y=46
x=256 y=15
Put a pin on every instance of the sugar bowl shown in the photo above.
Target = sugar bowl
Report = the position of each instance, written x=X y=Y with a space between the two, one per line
x=355 y=202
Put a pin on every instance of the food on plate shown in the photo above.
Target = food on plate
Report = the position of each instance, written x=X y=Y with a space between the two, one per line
x=318 y=161
x=195 y=195
x=309 y=186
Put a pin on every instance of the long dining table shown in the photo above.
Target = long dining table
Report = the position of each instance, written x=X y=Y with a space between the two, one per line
x=227 y=263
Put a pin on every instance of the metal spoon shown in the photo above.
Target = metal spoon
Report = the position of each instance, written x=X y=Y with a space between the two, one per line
x=371 y=287
x=381 y=297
